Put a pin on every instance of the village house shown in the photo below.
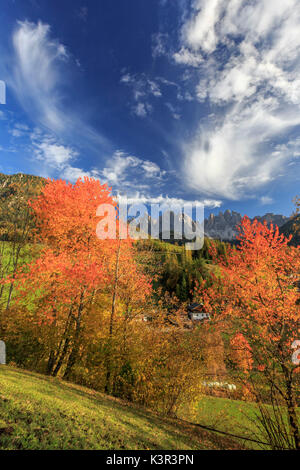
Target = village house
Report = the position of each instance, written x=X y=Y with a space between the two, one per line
x=196 y=312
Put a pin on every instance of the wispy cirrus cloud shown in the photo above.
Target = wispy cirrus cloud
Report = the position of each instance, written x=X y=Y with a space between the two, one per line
x=38 y=73
x=248 y=70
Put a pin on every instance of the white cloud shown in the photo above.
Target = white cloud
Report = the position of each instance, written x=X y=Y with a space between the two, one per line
x=56 y=159
x=122 y=171
x=200 y=31
x=38 y=71
x=125 y=171
x=142 y=109
x=166 y=82
x=140 y=198
x=289 y=150
x=265 y=200
x=54 y=155
x=151 y=169
x=154 y=88
x=173 y=111
x=71 y=173
x=251 y=75
x=114 y=173
x=186 y=57
x=126 y=78
x=145 y=91
x=230 y=159
x=159 y=42
x=19 y=130
x=142 y=88
x=141 y=85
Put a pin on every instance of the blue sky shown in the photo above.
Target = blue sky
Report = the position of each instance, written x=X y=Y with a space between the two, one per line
x=175 y=100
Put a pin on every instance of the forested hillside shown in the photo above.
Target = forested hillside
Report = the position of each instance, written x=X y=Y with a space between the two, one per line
x=15 y=215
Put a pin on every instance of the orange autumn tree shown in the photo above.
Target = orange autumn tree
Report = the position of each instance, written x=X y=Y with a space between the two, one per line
x=60 y=284
x=75 y=266
x=65 y=214
x=257 y=293
x=241 y=352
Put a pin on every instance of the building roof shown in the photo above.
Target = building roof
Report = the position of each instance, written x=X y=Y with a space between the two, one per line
x=195 y=307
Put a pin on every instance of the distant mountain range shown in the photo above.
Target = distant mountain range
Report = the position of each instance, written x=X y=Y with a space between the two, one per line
x=223 y=225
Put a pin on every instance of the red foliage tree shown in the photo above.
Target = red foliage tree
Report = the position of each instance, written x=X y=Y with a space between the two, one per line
x=257 y=293
x=74 y=266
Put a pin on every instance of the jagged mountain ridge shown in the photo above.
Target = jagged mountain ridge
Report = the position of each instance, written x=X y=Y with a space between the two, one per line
x=223 y=225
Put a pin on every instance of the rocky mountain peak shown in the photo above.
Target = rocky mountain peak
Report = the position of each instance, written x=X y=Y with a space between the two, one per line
x=223 y=225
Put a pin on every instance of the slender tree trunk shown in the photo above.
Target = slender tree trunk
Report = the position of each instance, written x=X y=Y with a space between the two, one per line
x=62 y=354
x=50 y=363
x=16 y=262
x=52 y=355
x=75 y=350
x=111 y=323
x=9 y=295
x=125 y=333
x=61 y=358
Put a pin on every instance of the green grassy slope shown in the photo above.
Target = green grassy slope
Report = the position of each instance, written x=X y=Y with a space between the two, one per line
x=38 y=412
x=231 y=416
